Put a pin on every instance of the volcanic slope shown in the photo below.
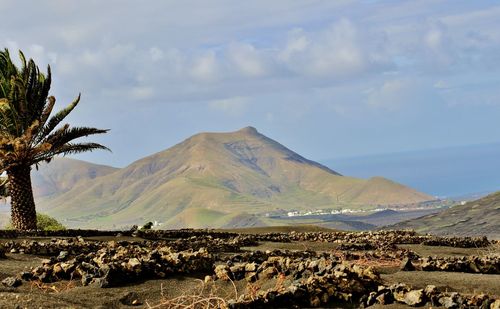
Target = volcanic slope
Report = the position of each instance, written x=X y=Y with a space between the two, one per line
x=62 y=174
x=215 y=178
x=475 y=218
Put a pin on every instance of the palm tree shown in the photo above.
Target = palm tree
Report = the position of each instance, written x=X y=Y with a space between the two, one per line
x=29 y=135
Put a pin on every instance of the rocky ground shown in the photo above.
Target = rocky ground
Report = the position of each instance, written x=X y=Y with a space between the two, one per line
x=220 y=269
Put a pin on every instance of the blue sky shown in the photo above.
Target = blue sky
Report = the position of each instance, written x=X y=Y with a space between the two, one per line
x=325 y=78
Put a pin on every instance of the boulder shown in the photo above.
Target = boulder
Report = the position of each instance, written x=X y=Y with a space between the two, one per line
x=12 y=282
x=449 y=301
x=223 y=272
x=86 y=279
x=385 y=298
x=62 y=256
x=100 y=282
x=315 y=301
x=58 y=271
x=130 y=299
x=415 y=298
x=406 y=265
x=251 y=267
x=133 y=263
x=399 y=292
x=251 y=276
x=268 y=272
x=26 y=275
x=495 y=304
x=372 y=299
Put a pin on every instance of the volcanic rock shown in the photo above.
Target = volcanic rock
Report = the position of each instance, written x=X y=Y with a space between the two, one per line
x=100 y=282
x=496 y=304
x=223 y=272
x=11 y=282
x=406 y=265
x=62 y=255
x=130 y=299
x=415 y=298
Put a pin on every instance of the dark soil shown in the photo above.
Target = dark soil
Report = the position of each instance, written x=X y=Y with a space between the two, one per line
x=448 y=281
x=450 y=251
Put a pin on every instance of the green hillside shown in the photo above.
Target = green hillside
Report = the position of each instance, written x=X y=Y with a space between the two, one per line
x=241 y=172
x=62 y=174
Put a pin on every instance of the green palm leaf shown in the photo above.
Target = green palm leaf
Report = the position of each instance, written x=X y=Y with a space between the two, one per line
x=68 y=134
x=57 y=118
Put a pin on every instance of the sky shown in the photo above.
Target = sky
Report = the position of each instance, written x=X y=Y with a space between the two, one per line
x=327 y=79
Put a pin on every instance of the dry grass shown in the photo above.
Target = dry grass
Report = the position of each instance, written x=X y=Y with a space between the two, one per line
x=492 y=250
x=280 y=287
x=377 y=263
x=207 y=296
x=251 y=291
x=210 y=296
x=56 y=287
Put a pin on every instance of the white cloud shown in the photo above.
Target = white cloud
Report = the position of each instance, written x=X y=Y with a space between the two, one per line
x=156 y=54
x=205 y=67
x=338 y=51
x=297 y=43
x=78 y=34
x=473 y=17
x=460 y=94
x=37 y=49
x=234 y=106
x=270 y=117
x=441 y=84
x=90 y=58
x=142 y=92
x=391 y=95
x=247 y=59
x=439 y=46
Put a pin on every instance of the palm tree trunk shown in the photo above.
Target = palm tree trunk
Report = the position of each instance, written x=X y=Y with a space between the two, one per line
x=23 y=211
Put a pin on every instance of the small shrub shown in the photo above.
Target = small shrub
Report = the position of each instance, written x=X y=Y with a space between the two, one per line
x=147 y=226
x=47 y=223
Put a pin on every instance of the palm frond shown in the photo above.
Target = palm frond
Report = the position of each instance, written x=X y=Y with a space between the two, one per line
x=70 y=148
x=48 y=109
x=67 y=134
x=43 y=95
x=9 y=119
x=57 y=118
x=23 y=60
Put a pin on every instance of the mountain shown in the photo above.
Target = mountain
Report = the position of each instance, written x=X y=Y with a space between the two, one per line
x=474 y=218
x=212 y=179
x=62 y=174
x=56 y=178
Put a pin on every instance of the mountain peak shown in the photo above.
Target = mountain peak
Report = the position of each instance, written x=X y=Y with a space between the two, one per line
x=248 y=130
